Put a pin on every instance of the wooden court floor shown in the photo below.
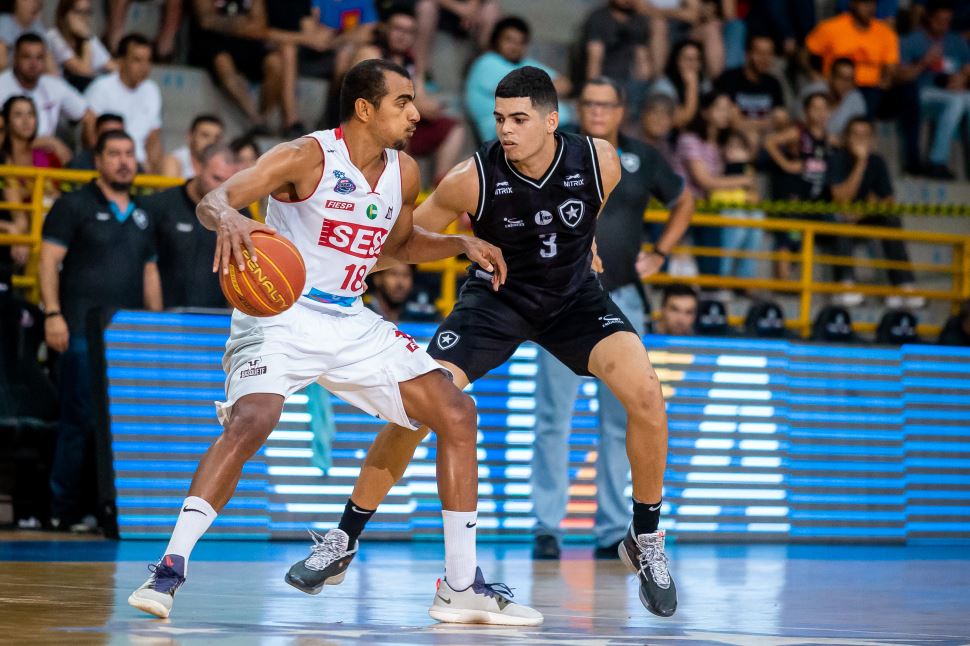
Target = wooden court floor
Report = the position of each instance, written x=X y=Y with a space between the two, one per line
x=73 y=592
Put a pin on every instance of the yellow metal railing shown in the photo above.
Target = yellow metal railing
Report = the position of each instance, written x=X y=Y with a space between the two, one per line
x=805 y=285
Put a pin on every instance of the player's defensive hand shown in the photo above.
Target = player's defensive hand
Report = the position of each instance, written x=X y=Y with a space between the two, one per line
x=233 y=234
x=489 y=257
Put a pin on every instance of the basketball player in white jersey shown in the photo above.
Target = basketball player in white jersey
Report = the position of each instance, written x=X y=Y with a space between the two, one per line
x=343 y=197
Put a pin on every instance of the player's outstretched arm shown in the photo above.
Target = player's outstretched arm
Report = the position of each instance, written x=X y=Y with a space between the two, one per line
x=284 y=168
x=414 y=237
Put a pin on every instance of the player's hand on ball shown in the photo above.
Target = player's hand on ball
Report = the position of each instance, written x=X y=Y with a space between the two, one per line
x=489 y=257
x=233 y=235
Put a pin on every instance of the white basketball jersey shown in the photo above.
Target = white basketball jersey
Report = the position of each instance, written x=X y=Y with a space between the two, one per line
x=341 y=227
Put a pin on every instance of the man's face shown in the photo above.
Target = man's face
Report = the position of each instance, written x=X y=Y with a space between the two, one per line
x=678 y=315
x=938 y=23
x=396 y=116
x=246 y=158
x=657 y=123
x=117 y=163
x=859 y=134
x=511 y=45
x=395 y=284
x=401 y=33
x=137 y=63
x=203 y=135
x=214 y=172
x=108 y=126
x=817 y=112
x=521 y=128
x=761 y=56
x=600 y=111
x=29 y=61
x=863 y=10
x=842 y=79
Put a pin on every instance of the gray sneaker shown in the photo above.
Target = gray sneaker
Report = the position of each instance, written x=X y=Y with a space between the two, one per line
x=157 y=594
x=480 y=603
x=327 y=564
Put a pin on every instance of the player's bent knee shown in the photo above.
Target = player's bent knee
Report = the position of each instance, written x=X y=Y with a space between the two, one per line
x=247 y=430
x=458 y=419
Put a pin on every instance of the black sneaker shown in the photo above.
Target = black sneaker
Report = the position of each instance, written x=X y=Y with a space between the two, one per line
x=608 y=553
x=644 y=555
x=157 y=594
x=327 y=564
x=545 y=548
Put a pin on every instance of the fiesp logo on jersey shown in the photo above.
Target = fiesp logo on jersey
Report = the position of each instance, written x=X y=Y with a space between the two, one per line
x=353 y=239
x=340 y=206
x=265 y=284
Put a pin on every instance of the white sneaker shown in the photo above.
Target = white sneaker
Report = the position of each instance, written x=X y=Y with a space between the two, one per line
x=895 y=302
x=847 y=298
x=157 y=594
x=480 y=603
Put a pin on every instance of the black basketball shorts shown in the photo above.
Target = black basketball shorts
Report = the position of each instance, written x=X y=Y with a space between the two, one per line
x=484 y=329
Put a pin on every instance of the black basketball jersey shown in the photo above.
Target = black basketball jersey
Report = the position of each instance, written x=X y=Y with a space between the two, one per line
x=543 y=226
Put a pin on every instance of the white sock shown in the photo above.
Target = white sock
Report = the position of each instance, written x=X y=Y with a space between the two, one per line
x=460 y=557
x=194 y=520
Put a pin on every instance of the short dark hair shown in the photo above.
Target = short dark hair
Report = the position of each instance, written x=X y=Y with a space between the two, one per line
x=398 y=9
x=28 y=39
x=606 y=80
x=132 y=40
x=677 y=289
x=111 y=135
x=106 y=117
x=750 y=38
x=239 y=144
x=509 y=22
x=807 y=101
x=532 y=83
x=843 y=61
x=698 y=125
x=938 y=5
x=206 y=118
x=366 y=80
x=853 y=121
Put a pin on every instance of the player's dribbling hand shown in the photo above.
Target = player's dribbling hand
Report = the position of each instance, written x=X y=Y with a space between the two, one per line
x=233 y=234
x=489 y=257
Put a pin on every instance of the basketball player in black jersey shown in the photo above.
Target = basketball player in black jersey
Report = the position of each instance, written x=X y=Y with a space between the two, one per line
x=535 y=193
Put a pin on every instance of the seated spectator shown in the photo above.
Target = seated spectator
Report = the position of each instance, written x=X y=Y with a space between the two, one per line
x=937 y=59
x=185 y=247
x=437 y=134
x=712 y=319
x=228 y=38
x=460 y=18
x=509 y=43
x=79 y=54
x=897 y=327
x=246 y=150
x=171 y=20
x=956 y=331
x=698 y=158
x=846 y=101
x=756 y=92
x=858 y=174
x=391 y=290
x=106 y=122
x=870 y=43
x=672 y=21
x=684 y=81
x=678 y=311
x=765 y=320
x=186 y=161
x=137 y=98
x=615 y=46
x=657 y=124
x=24 y=19
x=51 y=95
x=833 y=324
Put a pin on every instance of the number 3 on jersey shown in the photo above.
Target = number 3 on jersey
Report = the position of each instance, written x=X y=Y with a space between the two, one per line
x=549 y=248
x=354 y=280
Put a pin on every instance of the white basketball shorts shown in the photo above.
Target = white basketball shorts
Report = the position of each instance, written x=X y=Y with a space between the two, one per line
x=358 y=356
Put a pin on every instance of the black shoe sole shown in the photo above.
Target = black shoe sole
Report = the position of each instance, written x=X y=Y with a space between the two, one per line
x=336 y=579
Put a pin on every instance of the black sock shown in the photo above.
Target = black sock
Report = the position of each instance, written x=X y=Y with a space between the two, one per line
x=646 y=517
x=353 y=521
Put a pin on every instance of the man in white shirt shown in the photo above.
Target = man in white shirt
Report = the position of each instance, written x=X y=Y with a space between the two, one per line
x=186 y=161
x=130 y=93
x=52 y=96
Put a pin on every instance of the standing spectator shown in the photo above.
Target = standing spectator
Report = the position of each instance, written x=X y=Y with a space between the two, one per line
x=938 y=61
x=678 y=311
x=167 y=30
x=130 y=93
x=871 y=44
x=51 y=95
x=97 y=252
x=510 y=41
x=461 y=18
x=756 y=92
x=24 y=19
x=857 y=174
x=684 y=80
x=619 y=236
x=186 y=161
x=657 y=123
x=185 y=247
x=699 y=160
x=391 y=290
x=615 y=43
x=106 y=122
x=845 y=99
x=673 y=21
x=437 y=134
x=77 y=51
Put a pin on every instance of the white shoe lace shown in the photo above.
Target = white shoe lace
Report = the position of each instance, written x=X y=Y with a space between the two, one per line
x=326 y=549
x=652 y=556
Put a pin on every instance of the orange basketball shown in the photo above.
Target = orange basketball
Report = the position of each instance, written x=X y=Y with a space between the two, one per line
x=269 y=285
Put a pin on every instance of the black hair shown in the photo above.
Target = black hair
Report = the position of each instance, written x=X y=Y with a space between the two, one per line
x=677 y=289
x=6 y=148
x=698 y=125
x=532 y=83
x=106 y=117
x=111 y=135
x=672 y=72
x=206 y=118
x=749 y=40
x=398 y=9
x=366 y=80
x=27 y=39
x=843 y=60
x=509 y=22
x=807 y=101
x=853 y=121
x=239 y=144
x=132 y=40
x=605 y=80
x=938 y=5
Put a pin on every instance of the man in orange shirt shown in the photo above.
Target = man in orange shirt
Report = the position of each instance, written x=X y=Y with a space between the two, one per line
x=859 y=36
